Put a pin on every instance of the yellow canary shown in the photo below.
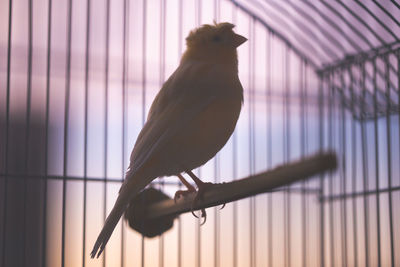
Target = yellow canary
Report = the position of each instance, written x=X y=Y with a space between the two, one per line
x=189 y=121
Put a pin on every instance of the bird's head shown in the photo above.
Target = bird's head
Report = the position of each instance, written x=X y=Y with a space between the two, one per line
x=215 y=42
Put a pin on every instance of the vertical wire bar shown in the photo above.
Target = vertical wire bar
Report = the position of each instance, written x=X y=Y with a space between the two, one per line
x=180 y=19
x=251 y=137
x=376 y=143
x=105 y=168
x=398 y=89
x=365 y=164
x=286 y=145
x=306 y=149
x=250 y=146
x=234 y=161
x=353 y=168
x=253 y=162
x=284 y=118
x=321 y=179
x=144 y=89
x=7 y=130
x=28 y=118
x=330 y=179
x=284 y=130
x=66 y=124
x=288 y=153
x=44 y=229
x=198 y=233
x=124 y=78
x=303 y=80
x=144 y=65
x=344 y=174
x=85 y=154
x=217 y=173
x=216 y=10
x=269 y=145
x=216 y=216
x=333 y=135
x=306 y=103
x=197 y=13
x=253 y=166
x=234 y=172
x=389 y=158
x=124 y=113
x=161 y=80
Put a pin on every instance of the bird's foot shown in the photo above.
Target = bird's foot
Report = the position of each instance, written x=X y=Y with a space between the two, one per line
x=202 y=188
x=183 y=193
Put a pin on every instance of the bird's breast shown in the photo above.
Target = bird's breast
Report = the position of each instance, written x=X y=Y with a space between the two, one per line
x=209 y=132
x=218 y=120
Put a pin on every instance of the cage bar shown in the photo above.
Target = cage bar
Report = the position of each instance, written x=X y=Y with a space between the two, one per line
x=316 y=77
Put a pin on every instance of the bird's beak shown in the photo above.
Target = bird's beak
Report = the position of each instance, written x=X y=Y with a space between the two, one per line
x=238 y=40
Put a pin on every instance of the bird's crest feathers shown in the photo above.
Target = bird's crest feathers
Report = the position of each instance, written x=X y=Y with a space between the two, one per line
x=207 y=31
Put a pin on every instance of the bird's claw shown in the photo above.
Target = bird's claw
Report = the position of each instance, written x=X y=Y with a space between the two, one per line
x=203 y=215
x=202 y=189
x=203 y=211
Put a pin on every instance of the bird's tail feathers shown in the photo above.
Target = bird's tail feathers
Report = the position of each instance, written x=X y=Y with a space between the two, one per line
x=108 y=228
x=130 y=188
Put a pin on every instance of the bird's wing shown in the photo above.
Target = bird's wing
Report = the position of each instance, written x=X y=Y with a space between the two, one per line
x=188 y=92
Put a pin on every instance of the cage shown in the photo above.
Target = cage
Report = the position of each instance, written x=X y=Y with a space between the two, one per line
x=77 y=79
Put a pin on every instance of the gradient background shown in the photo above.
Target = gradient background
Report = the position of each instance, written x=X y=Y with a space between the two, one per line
x=89 y=101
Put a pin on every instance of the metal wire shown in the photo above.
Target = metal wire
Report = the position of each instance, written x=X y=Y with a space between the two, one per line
x=276 y=33
x=345 y=92
x=46 y=146
x=106 y=81
x=269 y=142
x=389 y=162
x=85 y=142
x=321 y=178
x=376 y=135
x=7 y=130
x=303 y=114
x=343 y=174
x=251 y=140
x=377 y=19
x=27 y=127
x=162 y=78
x=354 y=172
x=234 y=174
x=66 y=124
x=365 y=169
x=286 y=148
x=330 y=181
x=179 y=238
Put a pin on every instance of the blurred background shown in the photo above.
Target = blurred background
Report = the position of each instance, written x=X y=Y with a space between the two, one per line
x=77 y=79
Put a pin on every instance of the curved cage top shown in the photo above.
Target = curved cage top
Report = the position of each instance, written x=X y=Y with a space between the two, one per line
x=324 y=32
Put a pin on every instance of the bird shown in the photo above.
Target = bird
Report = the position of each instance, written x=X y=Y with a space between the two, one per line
x=191 y=118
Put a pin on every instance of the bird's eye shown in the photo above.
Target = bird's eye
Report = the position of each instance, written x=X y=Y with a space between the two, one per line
x=217 y=38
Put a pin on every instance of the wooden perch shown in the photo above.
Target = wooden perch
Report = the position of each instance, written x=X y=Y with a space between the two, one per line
x=238 y=189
